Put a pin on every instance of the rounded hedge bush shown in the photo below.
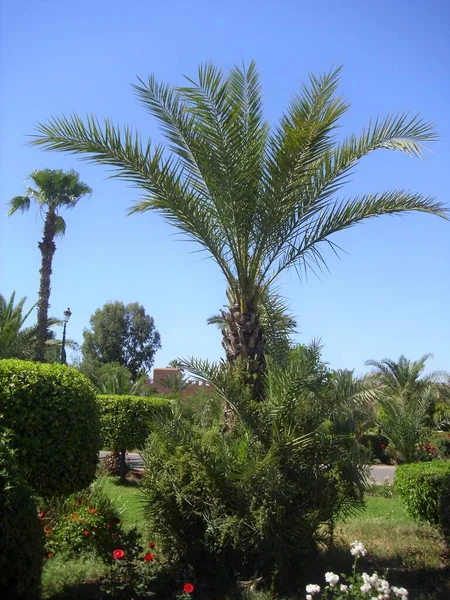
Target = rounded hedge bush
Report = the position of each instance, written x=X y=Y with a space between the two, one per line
x=425 y=490
x=125 y=420
x=125 y=425
x=21 y=535
x=53 y=415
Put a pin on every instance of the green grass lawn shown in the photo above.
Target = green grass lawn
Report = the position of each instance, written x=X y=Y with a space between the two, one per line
x=414 y=555
x=127 y=499
x=410 y=554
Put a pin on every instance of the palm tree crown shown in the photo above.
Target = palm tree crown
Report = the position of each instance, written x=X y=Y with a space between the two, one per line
x=259 y=200
x=53 y=190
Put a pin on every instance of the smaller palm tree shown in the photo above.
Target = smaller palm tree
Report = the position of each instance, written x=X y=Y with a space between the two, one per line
x=54 y=190
x=17 y=341
x=405 y=400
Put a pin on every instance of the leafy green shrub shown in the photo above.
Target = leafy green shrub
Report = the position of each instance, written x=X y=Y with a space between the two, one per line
x=249 y=499
x=425 y=490
x=53 y=416
x=21 y=538
x=124 y=420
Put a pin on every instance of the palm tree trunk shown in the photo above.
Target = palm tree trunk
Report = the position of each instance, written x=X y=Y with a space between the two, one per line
x=47 y=248
x=243 y=341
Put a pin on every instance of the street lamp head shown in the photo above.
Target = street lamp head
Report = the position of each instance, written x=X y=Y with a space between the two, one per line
x=67 y=314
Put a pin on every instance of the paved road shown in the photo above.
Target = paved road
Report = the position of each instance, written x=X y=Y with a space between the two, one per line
x=379 y=472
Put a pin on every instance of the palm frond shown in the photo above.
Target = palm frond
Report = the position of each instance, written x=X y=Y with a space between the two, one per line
x=21 y=203
x=60 y=228
x=302 y=248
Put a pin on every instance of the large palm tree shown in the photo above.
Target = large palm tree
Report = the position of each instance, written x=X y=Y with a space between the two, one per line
x=259 y=200
x=52 y=191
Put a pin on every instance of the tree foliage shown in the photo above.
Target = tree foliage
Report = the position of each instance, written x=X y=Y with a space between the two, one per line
x=258 y=200
x=115 y=379
x=122 y=334
x=405 y=399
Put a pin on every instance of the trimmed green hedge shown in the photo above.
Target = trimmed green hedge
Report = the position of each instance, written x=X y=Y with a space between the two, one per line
x=53 y=415
x=21 y=535
x=124 y=420
x=425 y=490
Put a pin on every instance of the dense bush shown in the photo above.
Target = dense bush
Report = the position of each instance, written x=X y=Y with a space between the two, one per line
x=249 y=497
x=425 y=490
x=125 y=424
x=21 y=538
x=125 y=420
x=53 y=416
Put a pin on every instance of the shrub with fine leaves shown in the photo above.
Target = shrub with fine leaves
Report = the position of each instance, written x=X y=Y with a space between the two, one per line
x=250 y=497
x=52 y=413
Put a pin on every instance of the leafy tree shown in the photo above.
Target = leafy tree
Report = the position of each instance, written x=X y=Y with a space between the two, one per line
x=53 y=191
x=405 y=399
x=17 y=341
x=258 y=200
x=122 y=334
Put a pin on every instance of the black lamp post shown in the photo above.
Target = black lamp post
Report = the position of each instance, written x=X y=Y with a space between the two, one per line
x=65 y=320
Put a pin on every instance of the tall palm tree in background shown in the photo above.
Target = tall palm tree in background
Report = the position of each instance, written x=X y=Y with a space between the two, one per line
x=259 y=200
x=52 y=191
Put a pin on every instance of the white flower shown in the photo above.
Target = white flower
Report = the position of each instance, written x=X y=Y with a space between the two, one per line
x=309 y=597
x=312 y=588
x=383 y=586
x=366 y=588
x=373 y=580
x=357 y=549
x=400 y=592
x=331 y=578
x=344 y=588
x=365 y=577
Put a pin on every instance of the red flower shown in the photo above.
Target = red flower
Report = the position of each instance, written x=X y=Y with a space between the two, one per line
x=92 y=511
x=188 y=588
x=118 y=554
x=116 y=520
x=151 y=545
x=49 y=554
x=41 y=515
x=148 y=557
x=383 y=446
x=108 y=525
x=47 y=531
x=86 y=532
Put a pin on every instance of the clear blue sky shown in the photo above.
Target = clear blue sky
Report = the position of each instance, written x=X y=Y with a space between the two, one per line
x=388 y=295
